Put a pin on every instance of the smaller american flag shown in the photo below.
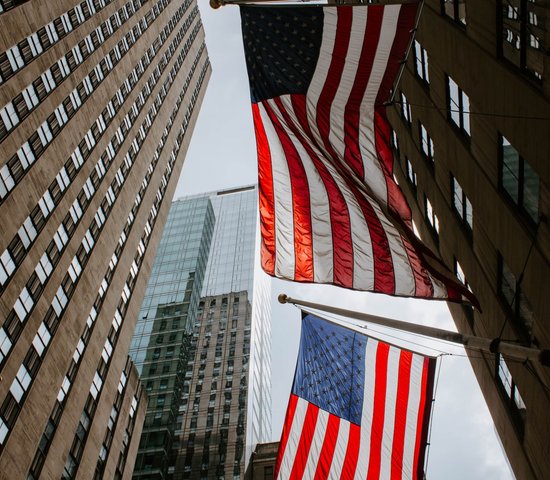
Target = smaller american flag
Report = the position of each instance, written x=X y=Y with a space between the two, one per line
x=359 y=408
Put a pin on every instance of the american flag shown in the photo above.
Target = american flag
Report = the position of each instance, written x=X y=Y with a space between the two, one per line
x=330 y=209
x=359 y=408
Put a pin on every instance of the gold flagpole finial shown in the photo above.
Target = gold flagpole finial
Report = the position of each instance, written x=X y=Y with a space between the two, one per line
x=215 y=4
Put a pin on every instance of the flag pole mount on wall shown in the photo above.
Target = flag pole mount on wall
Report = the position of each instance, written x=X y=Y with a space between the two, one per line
x=484 y=344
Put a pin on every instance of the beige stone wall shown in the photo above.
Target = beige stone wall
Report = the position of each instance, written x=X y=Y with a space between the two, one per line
x=19 y=449
x=499 y=94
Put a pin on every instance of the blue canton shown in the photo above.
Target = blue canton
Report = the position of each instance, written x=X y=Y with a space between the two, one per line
x=281 y=47
x=330 y=372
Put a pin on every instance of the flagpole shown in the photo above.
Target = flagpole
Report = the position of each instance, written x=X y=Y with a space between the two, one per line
x=215 y=4
x=484 y=344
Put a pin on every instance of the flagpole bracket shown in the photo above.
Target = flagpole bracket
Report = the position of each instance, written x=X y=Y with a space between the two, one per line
x=215 y=4
x=493 y=346
x=283 y=298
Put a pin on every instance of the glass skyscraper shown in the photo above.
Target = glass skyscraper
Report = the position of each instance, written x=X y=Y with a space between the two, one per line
x=205 y=375
x=161 y=341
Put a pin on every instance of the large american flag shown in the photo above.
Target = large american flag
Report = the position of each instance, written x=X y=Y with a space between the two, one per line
x=330 y=209
x=359 y=408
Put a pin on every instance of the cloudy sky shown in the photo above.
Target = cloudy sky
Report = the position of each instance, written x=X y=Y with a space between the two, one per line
x=464 y=444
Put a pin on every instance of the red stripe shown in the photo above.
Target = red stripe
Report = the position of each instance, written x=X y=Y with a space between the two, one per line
x=396 y=199
x=339 y=215
x=352 y=155
x=384 y=280
x=422 y=425
x=301 y=203
x=378 y=413
x=405 y=23
x=289 y=417
x=382 y=132
x=266 y=196
x=384 y=276
x=352 y=452
x=400 y=422
x=343 y=250
x=423 y=286
x=327 y=450
x=304 y=445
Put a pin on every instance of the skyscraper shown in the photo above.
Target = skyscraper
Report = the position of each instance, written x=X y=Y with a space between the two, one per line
x=98 y=100
x=162 y=339
x=220 y=400
x=471 y=122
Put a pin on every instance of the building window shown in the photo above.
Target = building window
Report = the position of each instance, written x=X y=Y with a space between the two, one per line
x=421 y=62
x=459 y=272
x=411 y=174
x=7 y=266
x=405 y=109
x=458 y=106
x=9 y=116
x=511 y=392
x=394 y=144
x=20 y=383
x=431 y=216
x=455 y=9
x=23 y=304
x=426 y=144
x=522 y=31
x=517 y=304
x=462 y=205
x=519 y=180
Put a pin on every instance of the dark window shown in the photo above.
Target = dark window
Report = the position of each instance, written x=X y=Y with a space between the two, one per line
x=458 y=106
x=455 y=9
x=411 y=174
x=510 y=391
x=462 y=205
x=421 y=62
x=405 y=109
x=517 y=304
x=431 y=216
x=426 y=143
x=522 y=32
x=518 y=179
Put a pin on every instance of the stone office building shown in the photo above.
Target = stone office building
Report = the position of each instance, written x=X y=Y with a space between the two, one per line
x=471 y=138
x=98 y=100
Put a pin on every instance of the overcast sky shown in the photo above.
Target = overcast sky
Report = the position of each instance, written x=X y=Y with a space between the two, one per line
x=222 y=154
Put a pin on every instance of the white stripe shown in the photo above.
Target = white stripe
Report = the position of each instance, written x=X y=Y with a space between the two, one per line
x=325 y=54
x=323 y=248
x=415 y=393
x=368 y=409
x=349 y=73
x=389 y=412
x=440 y=290
x=284 y=218
x=339 y=451
x=363 y=269
x=374 y=175
x=316 y=444
x=293 y=439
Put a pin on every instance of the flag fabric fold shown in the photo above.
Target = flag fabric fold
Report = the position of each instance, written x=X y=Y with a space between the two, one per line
x=359 y=408
x=330 y=209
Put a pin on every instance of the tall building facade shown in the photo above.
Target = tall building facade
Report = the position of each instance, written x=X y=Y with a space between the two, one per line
x=162 y=339
x=98 y=100
x=471 y=138
x=216 y=395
